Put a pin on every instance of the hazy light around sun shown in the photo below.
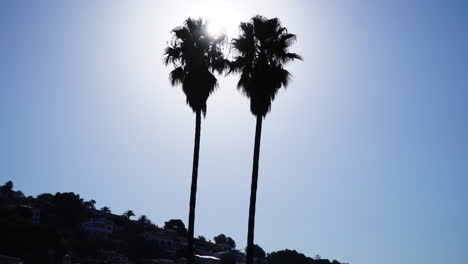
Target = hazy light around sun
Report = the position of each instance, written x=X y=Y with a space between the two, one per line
x=216 y=28
x=220 y=20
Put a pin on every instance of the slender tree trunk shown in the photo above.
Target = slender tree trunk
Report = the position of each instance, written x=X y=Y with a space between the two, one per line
x=193 y=190
x=253 y=192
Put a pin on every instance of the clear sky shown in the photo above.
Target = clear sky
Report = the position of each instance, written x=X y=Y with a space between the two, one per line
x=363 y=158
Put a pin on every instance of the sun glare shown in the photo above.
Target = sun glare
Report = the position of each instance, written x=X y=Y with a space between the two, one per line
x=216 y=28
x=220 y=20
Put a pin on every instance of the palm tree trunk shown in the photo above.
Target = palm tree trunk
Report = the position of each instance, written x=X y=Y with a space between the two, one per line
x=193 y=190
x=253 y=192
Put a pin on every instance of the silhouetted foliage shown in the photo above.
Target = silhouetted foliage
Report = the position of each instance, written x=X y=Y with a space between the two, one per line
x=8 y=186
x=261 y=50
x=7 y=189
x=128 y=214
x=59 y=232
x=90 y=204
x=258 y=252
x=195 y=55
x=176 y=225
x=288 y=256
x=202 y=243
x=105 y=210
x=225 y=241
x=143 y=219
x=68 y=209
x=294 y=257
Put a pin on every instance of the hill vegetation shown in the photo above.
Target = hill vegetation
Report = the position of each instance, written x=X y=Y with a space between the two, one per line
x=49 y=227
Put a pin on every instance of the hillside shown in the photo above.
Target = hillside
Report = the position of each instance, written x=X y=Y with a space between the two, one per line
x=64 y=228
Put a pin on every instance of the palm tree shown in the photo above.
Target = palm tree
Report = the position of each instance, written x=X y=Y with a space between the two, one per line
x=106 y=210
x=129 y=213
x=261 y=51
x=144 y=220
x=8 y=187
x=195 y=56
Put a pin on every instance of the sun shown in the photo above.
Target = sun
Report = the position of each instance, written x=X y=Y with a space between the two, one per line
x=215 y=28
x=224 y=20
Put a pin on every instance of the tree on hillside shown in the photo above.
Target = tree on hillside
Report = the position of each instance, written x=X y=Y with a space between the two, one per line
x=262 y=49
x=195 y=55
x=8 y=186
x=288 y=256
x=294 y=257
x=225 y=241
x=90 y=204
x=8 y=189
x=176 y=225
x=143 y=219
x=69 y=208
x=45 y=200
x=258 y=252
x=128 y=214
x=105 y=210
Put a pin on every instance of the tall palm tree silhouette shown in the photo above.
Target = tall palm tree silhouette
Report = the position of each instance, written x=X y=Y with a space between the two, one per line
x=262 y=49
x=196 y=56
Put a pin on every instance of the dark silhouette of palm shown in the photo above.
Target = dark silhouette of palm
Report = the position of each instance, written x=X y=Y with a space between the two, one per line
x=262 y=49
x=195 y=56
x=106 y=210
x=128 y=214
x=143 y=219
x=8 y=188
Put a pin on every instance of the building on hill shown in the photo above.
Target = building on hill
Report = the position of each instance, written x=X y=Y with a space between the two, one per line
x=98 y=227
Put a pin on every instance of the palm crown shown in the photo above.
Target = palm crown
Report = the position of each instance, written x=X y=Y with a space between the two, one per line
x=196 y=56
x=262 y=48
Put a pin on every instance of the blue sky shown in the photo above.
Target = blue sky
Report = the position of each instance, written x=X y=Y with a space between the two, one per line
x=363 y=157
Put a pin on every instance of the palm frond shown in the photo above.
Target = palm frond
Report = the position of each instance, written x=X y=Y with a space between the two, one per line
x=196 y=56
x=177 y=76
x=287 y=57
x=262 y=48
x=172 y=55
x=287 y=38
x=181 y=34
